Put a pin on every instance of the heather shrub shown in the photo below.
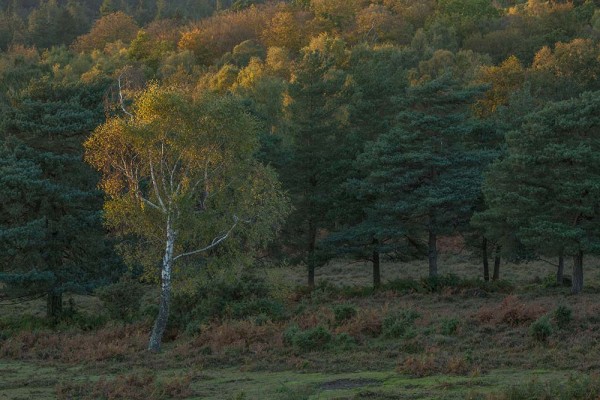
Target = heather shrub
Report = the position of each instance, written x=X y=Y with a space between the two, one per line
x=449 y=327
x=247 y=296
x=313 y=339
x=317 y=338
x=367 y=322
x=403 y=286
x=122 y=300
x=344 y=312
x=512 y=311
x=562 y=315
x=400 y=325
x=344 y=341
x=244 y=335
x=264 y=308
x=436 y=283
x=541 y=329
x=433 y=363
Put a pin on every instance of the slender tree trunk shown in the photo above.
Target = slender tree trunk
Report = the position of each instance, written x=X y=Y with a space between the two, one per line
x=311 y=253
x=496 y=275
x=486 y=264
x=165 y=293
x=561 y=268
x=54 y=305
x=432 y=253
x=376 y=265
x=577 y=279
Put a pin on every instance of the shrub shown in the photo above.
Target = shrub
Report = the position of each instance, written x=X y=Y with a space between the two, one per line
x=112 y=342
x=434 y=363
x=563 y=316
x=541 y=329
x=344 y=312
x=312 y=339
x=356 y=291
x=512 y=311
x=240 y=335
x=317 y=338
x=247 y=296
x=549 y=281
x=122 y=300
x=400 y=325
x=367 y=322
x=290 y=333
x=436 y=283
x=344 y=341
x=403 y=286
x=10 y=325
x=265 y=308
x=449 y=326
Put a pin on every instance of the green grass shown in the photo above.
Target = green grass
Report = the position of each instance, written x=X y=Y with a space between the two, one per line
x=26 y=381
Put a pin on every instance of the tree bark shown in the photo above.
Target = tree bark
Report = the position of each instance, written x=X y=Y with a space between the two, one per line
x=432 y=253
x=561 y=268
x=165 y=294
x=486 y=264
x=311 y=253
x=496 y=275
x=577 y=279
x=54 y=305
x=376 y=266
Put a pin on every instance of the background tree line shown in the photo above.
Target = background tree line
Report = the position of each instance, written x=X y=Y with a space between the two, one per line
x=389 y=124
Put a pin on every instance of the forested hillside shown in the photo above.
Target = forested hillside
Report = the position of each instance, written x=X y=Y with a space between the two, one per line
x=179 y=150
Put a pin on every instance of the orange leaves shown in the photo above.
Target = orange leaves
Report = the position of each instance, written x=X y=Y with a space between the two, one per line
x=505 y=80
x=108 y=151
x=106 y=30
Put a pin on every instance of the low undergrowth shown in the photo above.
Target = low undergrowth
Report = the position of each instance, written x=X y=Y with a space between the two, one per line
x=144 y=386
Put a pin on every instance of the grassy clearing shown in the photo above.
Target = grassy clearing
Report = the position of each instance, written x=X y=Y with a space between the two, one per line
x=26 y=381
x=343 y=341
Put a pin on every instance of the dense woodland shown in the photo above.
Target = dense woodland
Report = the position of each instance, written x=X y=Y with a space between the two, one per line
x=246 y=132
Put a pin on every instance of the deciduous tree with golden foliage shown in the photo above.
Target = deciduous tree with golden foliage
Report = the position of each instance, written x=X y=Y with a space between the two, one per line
x=179 y=172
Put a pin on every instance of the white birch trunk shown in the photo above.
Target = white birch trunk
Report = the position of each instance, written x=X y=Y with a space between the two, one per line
x=165 y=294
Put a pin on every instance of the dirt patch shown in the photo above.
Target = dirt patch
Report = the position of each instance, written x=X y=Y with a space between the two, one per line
x=341 y=384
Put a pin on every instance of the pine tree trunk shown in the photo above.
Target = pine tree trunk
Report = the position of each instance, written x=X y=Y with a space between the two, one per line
x=577 y=280
x=432 y=253
x=486 y=264
x=54 y=305
x=160 y=324
x=311 y=254
x=561 y=268
x=496 y=275
x=376 y=266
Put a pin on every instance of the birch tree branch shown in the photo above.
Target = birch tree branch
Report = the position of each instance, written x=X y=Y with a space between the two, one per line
x=214 y=243
x=151 y=204
x=155 y=185
x=121 y=100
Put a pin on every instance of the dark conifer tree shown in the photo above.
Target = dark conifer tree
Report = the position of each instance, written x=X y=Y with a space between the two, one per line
x=425 y=173
x=52 y=235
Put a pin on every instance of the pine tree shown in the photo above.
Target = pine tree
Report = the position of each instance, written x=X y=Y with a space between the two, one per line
x=378 y=79
x=56 y=205
x=546 y=188
x=425 y=173
x=315 y=116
